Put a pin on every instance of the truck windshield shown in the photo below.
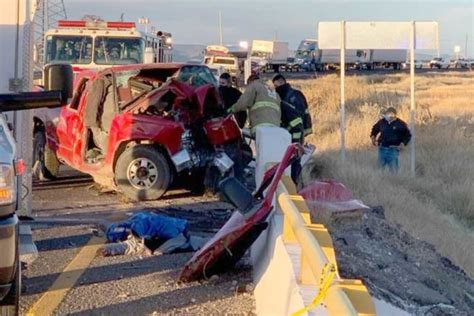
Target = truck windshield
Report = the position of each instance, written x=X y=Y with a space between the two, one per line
x=118 y=50
x=224 y=61
x=260 y=54
x=70 y=49
x=302 y=53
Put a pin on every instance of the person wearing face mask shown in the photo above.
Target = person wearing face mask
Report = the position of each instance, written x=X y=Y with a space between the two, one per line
x=389 y=133
x=295 y=99
x=294 y=116
x=230 y=96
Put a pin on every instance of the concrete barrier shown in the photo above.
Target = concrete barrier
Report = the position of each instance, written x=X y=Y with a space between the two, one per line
x=284 y=282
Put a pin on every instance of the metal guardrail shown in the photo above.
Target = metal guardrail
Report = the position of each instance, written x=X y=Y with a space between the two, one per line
x=340 y=296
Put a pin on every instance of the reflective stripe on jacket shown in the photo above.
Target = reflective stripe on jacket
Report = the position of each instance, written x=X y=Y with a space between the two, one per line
x=298 y=102
x=292 y=121
x=262 y=104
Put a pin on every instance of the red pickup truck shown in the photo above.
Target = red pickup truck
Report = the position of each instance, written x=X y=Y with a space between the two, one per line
x=135 y=128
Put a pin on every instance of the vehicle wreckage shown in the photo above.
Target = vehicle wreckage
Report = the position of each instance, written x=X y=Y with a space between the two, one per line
x=139 y=128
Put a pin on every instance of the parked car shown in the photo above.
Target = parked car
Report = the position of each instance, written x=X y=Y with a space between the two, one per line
x=440 y=63
x=461 y=63
x=137 y=128
x=418 y=64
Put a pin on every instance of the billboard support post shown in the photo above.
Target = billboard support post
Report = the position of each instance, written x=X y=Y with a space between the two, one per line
x=412 y=99
x=343 y=105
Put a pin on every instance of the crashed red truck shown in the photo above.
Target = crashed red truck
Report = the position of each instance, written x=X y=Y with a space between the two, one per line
x=137 y=128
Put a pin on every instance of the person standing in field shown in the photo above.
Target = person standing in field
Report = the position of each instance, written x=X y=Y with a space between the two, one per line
x=389 y=133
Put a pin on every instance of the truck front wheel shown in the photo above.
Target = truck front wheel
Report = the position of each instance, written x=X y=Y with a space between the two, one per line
x=142 y=173
x=45 y=162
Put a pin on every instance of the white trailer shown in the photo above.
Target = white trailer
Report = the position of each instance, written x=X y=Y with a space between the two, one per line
x=387 y=58
x=269 y=54
x=332 y=57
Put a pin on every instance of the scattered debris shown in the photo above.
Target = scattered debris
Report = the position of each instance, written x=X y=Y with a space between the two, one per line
x=231 y=242
x=330 y=195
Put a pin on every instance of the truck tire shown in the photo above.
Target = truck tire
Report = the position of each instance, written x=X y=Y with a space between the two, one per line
x=45 y=162
x=142 y=173
x=10 y=305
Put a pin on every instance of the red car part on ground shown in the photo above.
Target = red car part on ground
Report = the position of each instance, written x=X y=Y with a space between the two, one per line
x=232 y=241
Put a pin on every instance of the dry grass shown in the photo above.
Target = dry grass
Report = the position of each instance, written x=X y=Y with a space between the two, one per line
x=437 y=205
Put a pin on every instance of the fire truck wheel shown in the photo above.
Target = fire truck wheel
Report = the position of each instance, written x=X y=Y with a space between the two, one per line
x=142 y=173
x=45 y=162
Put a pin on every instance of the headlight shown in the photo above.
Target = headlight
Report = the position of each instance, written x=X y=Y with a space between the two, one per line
x=7 y=184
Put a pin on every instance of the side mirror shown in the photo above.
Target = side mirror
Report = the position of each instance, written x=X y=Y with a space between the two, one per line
x=149 y=56
x=59 y=77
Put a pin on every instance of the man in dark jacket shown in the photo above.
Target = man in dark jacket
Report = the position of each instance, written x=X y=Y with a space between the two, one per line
x=296 y=98
x=230 y=95
x=388 y=134
x=293 y=108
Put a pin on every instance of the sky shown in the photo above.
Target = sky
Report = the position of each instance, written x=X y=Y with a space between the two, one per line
x=197 y=21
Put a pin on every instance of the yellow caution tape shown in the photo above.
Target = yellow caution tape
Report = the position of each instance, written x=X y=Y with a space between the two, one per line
x=327 y=276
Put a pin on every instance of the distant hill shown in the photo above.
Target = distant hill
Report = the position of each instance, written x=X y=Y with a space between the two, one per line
x=186 y=52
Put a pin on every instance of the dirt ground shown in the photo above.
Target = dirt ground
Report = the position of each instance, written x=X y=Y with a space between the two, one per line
x=398 y=268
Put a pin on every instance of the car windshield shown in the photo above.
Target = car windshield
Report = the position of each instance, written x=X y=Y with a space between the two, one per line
x=69 y=49
x=196 y=76
x=118 y=50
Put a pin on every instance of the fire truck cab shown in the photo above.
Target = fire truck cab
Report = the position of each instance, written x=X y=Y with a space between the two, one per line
x=100 y=44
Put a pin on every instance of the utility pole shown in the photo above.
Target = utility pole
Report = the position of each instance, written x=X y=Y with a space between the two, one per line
x=437 y=43
x=144 y=21
x=47 y=15
x=465 y=47
x=220 y=27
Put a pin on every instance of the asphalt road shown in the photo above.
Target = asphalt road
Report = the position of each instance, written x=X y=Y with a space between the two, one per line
x=68 y=218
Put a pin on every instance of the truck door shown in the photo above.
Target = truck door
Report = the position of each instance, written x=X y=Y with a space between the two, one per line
x=70 y=126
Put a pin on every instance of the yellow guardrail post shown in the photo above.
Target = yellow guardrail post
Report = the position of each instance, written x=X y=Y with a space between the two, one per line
x=340 y=297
